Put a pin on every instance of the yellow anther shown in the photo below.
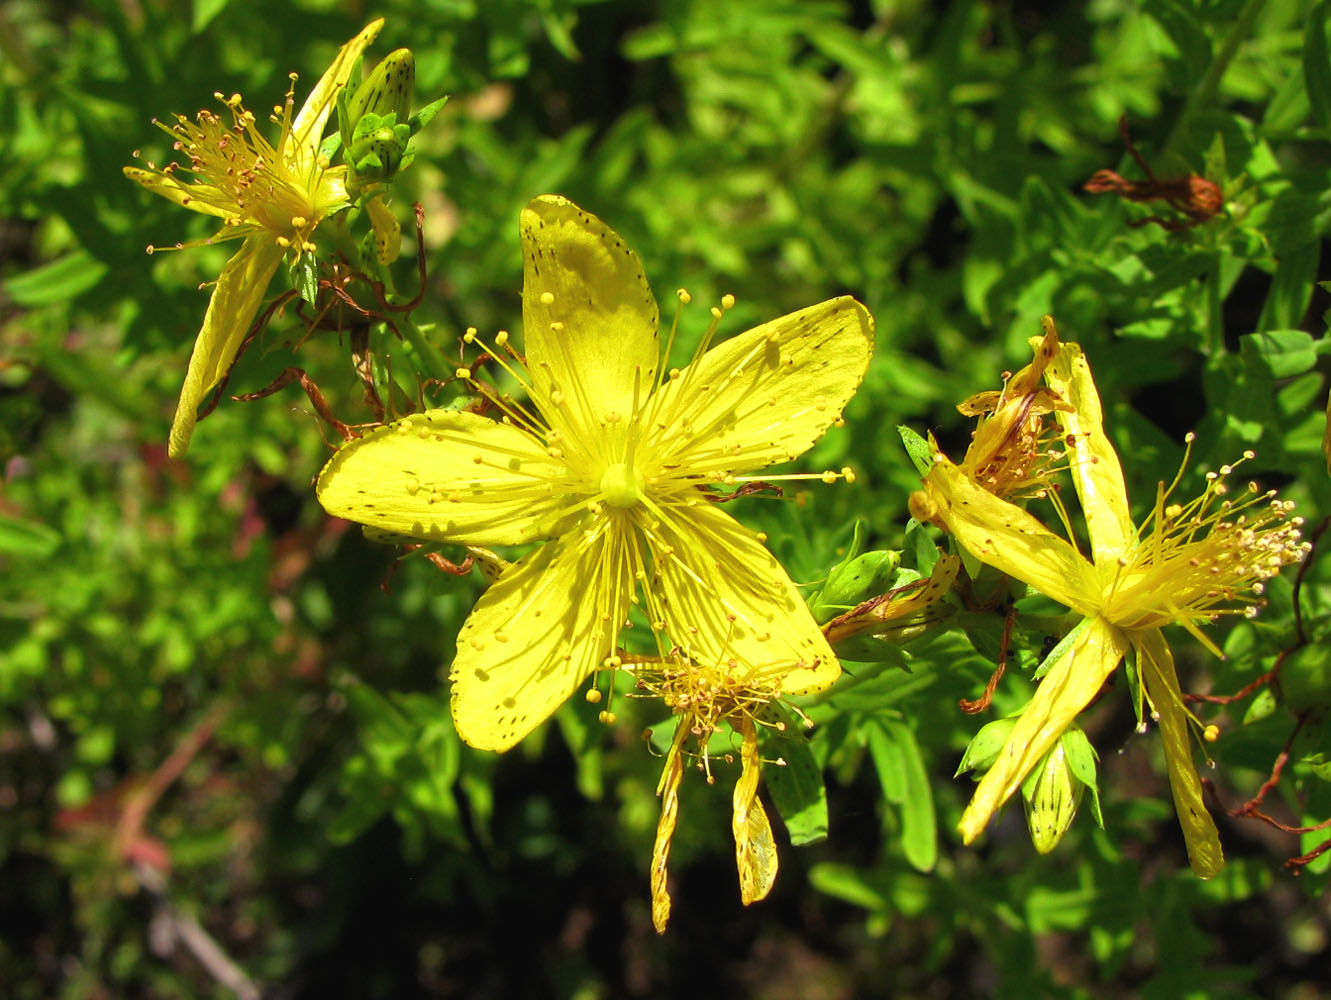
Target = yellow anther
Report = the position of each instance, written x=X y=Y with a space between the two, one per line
x=594 y=695
x=607 y=717
x=727 y=301
x=470 y=335
x=716 y=313
x=299 y=222
x=501 y=338
x=1211 y=733
x=848 y=474
x=547 y=298
x=684 y=297
x=463 y=373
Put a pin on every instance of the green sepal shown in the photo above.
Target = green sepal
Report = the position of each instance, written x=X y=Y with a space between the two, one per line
x=304 y=273
x=985 y=746
x=422 y=117
x=921 y=452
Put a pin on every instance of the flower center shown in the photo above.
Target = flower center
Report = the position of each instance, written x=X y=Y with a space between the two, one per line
x=622 y=485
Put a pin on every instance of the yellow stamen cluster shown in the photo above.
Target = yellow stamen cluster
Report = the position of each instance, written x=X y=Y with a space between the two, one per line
x=1212 y=551
x=248 y=182
x=705 y=698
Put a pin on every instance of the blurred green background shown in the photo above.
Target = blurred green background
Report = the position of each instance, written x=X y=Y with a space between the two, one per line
x=218 y=731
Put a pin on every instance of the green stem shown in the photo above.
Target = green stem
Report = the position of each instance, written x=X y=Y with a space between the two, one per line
x=1205 y=91
x=431 y=361
x=1215 y=325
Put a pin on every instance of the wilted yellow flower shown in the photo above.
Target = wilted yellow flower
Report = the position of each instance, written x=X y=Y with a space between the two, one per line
x=1185 y=565
x=610 y=469
x=270 y=195
x=705 y=699
x=1011 y=454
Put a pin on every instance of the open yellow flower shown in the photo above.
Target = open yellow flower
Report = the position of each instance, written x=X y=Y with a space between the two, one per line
x=609 y=469
x=271 y=196
x=1185 y=565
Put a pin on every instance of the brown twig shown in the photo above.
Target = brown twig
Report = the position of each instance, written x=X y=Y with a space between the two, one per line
x=976 y=705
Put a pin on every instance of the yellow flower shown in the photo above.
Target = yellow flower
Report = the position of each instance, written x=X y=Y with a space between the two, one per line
x=610 y=469
x=271 y=196
x=705 y=699
x=1185 y=565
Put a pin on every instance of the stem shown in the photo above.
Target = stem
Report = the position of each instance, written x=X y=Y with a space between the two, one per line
x=1215 y=320
x=1204 y=92
x=433 y=364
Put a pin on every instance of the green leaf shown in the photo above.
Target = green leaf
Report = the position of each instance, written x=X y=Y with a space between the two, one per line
x=27 y=539
x=1280 y=353
x=58 y=281
x=887 y=762
x=919 y=828
x=1291 y=288
x=794 y=780
x=205 y=11
x=1317 y=63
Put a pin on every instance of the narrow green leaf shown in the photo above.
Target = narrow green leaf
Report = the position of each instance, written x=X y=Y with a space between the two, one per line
x=919 y=827
x=1317 y=64
x=1291 y=288
x=794 y=780
x=205 y=11
x=887 y=762
x=59 y=281
x=27 y=539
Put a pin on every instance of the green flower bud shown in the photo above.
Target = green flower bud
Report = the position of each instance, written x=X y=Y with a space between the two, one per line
x=387 y=90
x=855 y=581
x=378 y=147
x=1052 y=794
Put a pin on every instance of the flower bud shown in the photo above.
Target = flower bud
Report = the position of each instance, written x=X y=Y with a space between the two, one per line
x=1052 y=795
x=387 y=90
x=855 y=581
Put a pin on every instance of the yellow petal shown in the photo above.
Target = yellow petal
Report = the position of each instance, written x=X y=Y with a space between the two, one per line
x=767 y=395
x=668 y=790
x=1096 y=471
x=588 y=317
x=1156 y=663
x=448 y=475
x=1064 y=691
x=308 y=127
x=536 y=634
x=239 y=292
x=196 y=197
x=755 y=848
x=1011 y=540
x=387 y=230
x=728 y=602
